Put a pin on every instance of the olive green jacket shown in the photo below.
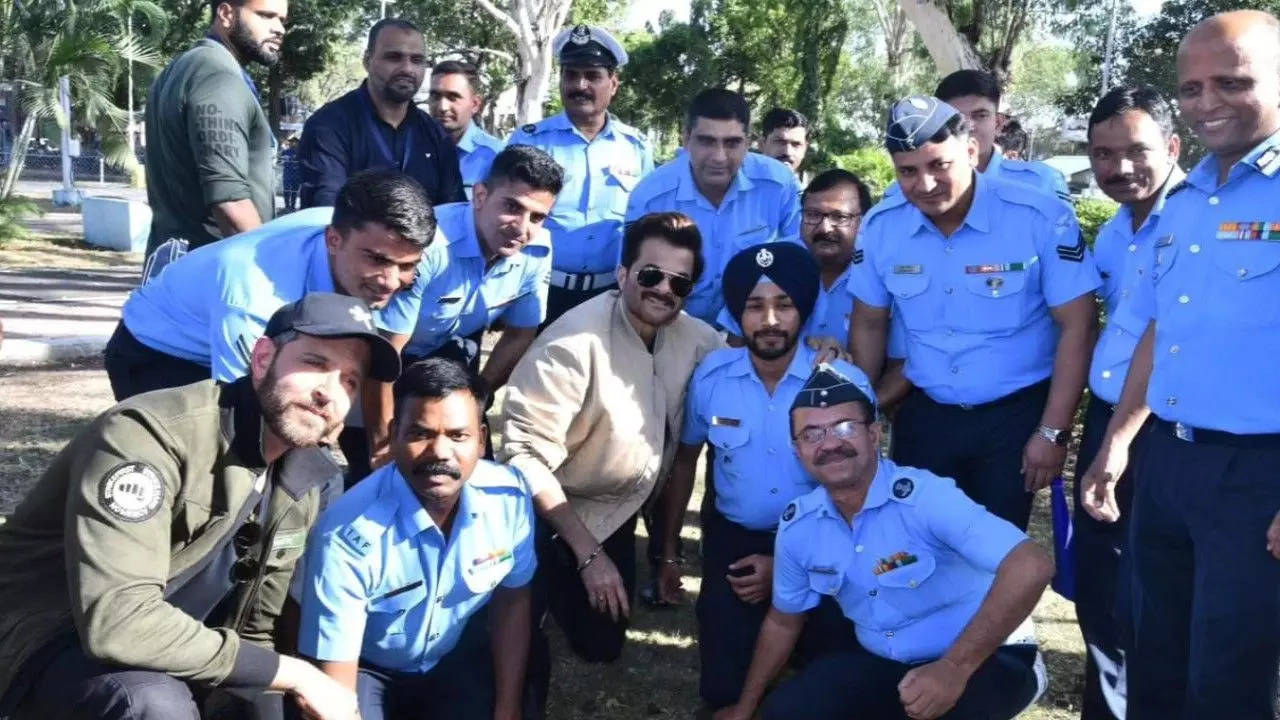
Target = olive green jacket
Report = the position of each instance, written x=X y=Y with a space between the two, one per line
x=129 y=509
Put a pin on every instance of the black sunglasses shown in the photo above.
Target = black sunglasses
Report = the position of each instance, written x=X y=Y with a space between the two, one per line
x=651 y=276
x=246 y=566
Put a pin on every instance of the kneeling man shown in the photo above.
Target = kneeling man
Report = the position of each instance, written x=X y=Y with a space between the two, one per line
x=933 y=582
x=400 y=563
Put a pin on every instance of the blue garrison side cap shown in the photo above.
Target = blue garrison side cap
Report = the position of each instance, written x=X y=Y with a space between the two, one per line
x=834 y=383
x=913 y=120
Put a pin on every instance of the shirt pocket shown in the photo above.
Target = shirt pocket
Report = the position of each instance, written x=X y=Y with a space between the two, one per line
x=730 y=443
x=1252 y=281
x=908 y=591
x=910 y=300
x=996 y=301
x=389 y=614
x=618 y=186
x=482 y=578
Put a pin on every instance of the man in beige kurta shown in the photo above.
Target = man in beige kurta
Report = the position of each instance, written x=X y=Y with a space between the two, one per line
x=591 y=418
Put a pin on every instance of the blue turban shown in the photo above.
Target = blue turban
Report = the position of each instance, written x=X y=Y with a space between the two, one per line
x=786 y=264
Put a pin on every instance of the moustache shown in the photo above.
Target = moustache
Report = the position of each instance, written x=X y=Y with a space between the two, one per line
x=406 y=78
x=829 y=237
x=1119 y=180
x=431 y=469
x=764 y=334
x=843 y=453
x=659 y=297
x=582 y=97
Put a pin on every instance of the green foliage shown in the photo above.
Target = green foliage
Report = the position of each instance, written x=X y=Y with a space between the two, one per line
x=13 y=211
x=1092 y=213
x=872 y=164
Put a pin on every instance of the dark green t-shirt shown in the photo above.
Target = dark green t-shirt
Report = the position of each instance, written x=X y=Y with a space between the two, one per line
x=208 y=142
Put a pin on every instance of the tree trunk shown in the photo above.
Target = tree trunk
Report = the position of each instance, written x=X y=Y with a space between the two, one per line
x=18 y=156
x=532 y=93
x=950 y=50
x=534 y=24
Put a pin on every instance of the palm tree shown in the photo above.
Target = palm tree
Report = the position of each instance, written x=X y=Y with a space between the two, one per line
x=88 y=42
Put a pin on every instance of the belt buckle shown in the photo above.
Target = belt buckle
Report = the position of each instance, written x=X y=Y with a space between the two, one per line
x=1184 y=432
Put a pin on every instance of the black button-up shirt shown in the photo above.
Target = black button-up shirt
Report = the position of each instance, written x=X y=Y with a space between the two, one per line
x=347 y=136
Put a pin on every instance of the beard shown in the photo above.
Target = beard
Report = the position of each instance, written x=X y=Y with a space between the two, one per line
x=755 y=344
x=249 y=48
x=282 y=415
x=395 y=94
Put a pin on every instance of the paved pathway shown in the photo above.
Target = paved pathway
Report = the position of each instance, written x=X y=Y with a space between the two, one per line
x=52 y=316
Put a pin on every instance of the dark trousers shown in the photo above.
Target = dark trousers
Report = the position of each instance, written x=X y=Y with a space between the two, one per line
x=459 y=687
x=134 y=368
x=1103 y=587
x=978 y=446
x=561 y=301
x=558 y=590
x=1206 y=634
x=727 y=626
x=69 y=685
x=857 y=684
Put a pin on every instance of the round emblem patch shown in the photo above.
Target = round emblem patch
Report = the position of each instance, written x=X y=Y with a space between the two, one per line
x=580 y=35
x=789 y=513
x=764 y=258
x=132 y=491
x=903 y=487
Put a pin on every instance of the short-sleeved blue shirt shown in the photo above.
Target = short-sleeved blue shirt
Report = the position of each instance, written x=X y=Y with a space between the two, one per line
x=910 y=571
x=211 y=305
x=1034 y=174
x=975 y=305
x=465 y=296
x=476 y=151
x=762 y=205
x=382 y=583
x=1214 y=294
x=756 y=469
x=1124 y=261
x=586 y=221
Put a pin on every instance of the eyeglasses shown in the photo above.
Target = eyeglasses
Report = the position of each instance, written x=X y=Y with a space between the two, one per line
x=838 y=219
x=650 y=276
x=246 y=566
x=843 y=430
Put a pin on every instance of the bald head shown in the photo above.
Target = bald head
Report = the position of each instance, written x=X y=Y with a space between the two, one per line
x=1229 y=81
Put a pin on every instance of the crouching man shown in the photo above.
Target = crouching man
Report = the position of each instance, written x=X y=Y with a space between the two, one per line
x=397 y=567
x=933 y=582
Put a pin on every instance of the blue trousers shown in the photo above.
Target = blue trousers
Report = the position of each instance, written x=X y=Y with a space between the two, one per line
x=1206 y=634
x=857 y=685
x=978 y=446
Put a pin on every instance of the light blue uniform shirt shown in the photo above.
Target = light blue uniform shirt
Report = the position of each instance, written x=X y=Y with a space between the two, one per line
x=211 y=305
x=476 y=151
x=586 y=221
x=756 y=472
x=975 y=305
x=909 y=609
x=830 y=316
x=1216 y=297
x=465 y=298
x=383 y=584
x=1035 y=174
x=1124 y=261
x=762 y=205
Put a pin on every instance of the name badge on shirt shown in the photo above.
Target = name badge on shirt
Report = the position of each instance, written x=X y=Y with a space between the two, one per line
x=718 y=421
x=1250 y=231
x=908 y=269
x=996 y=268
x=822 y=570
x=450 y=300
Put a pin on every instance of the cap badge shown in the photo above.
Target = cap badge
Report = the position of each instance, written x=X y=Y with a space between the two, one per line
x=361 y=316
x=920 y=103
x=581 y=35
x=764 y=258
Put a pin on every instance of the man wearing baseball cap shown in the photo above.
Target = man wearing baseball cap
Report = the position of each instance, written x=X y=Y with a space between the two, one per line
x=994 y=286
x=603 y=159
x=149 y=564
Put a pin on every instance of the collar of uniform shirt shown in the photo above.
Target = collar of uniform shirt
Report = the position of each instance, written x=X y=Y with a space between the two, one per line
x=413 y=516
x=688 y=191
x=979 y=215
x=877 y=494
x=1204 y=176
x=801 y=363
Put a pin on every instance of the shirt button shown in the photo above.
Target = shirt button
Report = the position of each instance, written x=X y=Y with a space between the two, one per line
x=1174 y=349
x=1106 y=374
x=948 y=291
x=955 y=370
x=858 y=549
x=1124 y=293
x=773 y=491
x=1242 y=272
x=1171 y=401
x=440 y=599
x=1195 y=248
x=911 y=584
x=889 y=634
x=950 y=333
x=872 y=592
x=948 y=248
x=1184 y=299
x=1213 y=200
x=1133 y=247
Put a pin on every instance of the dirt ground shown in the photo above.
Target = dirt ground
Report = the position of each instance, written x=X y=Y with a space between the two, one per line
x=657 y=676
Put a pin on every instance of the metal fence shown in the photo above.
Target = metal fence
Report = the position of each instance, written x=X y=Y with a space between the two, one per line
x=48 y=166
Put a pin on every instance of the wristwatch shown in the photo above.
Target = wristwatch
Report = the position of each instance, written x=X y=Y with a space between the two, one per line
x=1057 y=436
